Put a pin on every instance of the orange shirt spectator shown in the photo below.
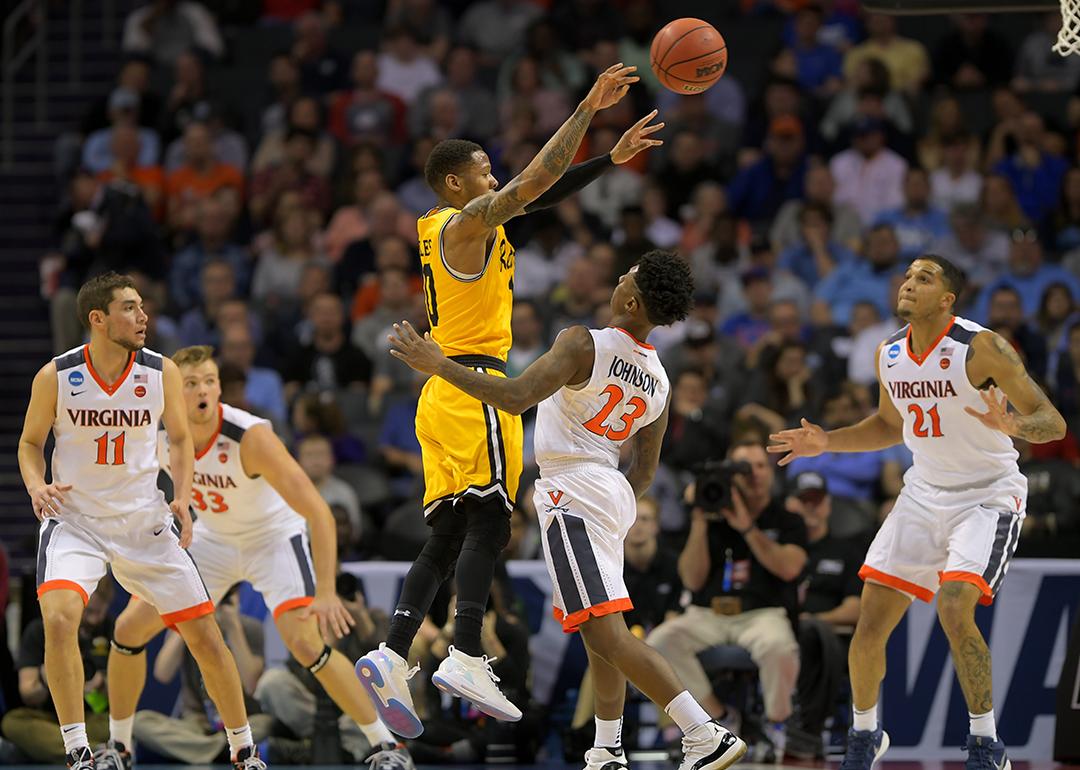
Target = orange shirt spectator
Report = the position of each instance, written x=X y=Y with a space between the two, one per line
x=149 y=179
x=201 y=176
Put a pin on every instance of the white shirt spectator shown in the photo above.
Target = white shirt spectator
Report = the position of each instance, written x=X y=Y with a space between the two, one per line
x=947 y=191
x=611 y=193
x=497 y=27
x=166 y=34
x=406 y=79
x=869 y=185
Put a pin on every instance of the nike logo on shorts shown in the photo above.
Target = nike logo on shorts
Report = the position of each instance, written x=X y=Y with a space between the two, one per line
x=160 y=530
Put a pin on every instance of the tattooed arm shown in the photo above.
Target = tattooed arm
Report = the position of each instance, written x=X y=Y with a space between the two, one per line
x=993 y=364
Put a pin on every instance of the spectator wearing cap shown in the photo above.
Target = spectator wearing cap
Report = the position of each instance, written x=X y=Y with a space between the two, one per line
x=758 y=191
x=906 y=59
x=201 y=176
x=917 y=223
x=1035 y=174
x=869 y=176
x=134 y=75
x=829 y=609
x=98 y=153
x=749 y=325
x=165 y=29
x=1028 y=275
x=816 y=254
x=845 y=228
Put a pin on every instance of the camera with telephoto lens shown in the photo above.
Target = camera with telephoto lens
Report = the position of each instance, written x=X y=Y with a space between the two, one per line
x=712 y=486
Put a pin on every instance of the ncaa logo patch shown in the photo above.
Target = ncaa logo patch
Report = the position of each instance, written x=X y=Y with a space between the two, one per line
x=894 y=350
x=75 y=379
x=140 y=390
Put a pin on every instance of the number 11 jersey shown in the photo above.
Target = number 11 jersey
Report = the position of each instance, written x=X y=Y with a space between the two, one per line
x=627 y=390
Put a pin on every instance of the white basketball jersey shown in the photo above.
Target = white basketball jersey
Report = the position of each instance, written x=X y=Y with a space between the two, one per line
x=227 y=501
x=950 y=447
x=628 y=389
x=106 y=434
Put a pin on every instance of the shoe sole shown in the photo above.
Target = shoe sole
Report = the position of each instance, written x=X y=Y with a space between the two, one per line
x=728 y=758
x=881 y=749
x=397 y=716
x=448 y=687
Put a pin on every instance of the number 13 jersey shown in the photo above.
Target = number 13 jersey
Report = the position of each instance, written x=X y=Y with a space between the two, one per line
x=627 y=390
x=951 y=448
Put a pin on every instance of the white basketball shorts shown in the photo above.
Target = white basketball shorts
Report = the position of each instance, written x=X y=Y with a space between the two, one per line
x=584 y=517
x=277 y=563
x=937 y=534
x=143 y=550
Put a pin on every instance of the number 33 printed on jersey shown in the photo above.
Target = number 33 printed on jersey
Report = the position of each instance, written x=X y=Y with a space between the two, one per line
x=217 y=503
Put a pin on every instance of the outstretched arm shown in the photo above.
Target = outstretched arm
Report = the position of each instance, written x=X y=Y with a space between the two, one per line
x=569 y=361
x=993 y=362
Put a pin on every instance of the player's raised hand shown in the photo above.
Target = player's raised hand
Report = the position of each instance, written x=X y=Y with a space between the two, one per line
x=421 y=353
x=636 y=139
x=611 y=86
x=334 y=620
x=47 y=500
x=997 y=415
x=808 y=441
x=182 y=511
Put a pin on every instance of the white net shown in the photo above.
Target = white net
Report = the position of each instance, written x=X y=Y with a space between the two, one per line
x=1068 y=41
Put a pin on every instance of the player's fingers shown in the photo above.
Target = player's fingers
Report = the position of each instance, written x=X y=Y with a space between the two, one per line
x=785 y=459
x=973 y=413
x=650 y=129
x=646 y=119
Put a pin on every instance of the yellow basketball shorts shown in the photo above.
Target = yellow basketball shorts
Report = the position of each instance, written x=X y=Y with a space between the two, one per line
x=469 y=449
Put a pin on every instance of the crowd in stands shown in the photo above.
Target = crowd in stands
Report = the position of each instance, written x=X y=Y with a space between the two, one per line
x=277 y=222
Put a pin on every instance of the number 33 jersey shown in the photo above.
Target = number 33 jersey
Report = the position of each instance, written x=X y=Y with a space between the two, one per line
x=226 y=499
x=951 y=448
x=627 y=390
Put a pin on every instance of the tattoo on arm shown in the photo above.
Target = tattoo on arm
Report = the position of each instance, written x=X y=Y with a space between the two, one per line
x=1044 y=422
x=496 y=207
x=562 y=147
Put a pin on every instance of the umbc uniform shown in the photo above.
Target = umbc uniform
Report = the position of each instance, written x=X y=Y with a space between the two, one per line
x=960 y=512
x=115 y=515
x=469 y=449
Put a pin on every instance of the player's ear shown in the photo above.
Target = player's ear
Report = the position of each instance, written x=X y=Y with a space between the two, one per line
x=452 y=182
x=97 y=316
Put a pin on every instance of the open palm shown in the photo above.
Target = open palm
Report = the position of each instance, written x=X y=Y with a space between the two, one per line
x=807 y=441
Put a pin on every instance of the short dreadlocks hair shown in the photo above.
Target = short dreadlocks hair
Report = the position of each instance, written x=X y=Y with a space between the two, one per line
x=666 y=285
x=449 y=156
x=954 y=277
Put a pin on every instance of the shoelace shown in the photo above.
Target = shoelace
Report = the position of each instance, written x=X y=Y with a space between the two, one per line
x=860 y=749
x=487 y=667
x=84 y=762
x=253 y=762
x=409 y=672
x=388 y=758
x=981 y=757
x=109 y=756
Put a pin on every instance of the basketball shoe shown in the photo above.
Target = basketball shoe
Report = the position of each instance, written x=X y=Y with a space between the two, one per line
x=80 y=759
x=604 y=758
x=385 y=676
x=864 y=748
x=389 y=756
x=248 y=759
x=471 y=678
x=711 y=746
x=985 y=754
x=112 y=756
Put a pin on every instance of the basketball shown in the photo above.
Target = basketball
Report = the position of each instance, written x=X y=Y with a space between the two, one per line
x=688 y=55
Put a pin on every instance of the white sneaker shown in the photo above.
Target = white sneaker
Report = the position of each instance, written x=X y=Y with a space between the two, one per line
x=471 y=678
x=385 y=676
x=603 y=758
x=713 y=747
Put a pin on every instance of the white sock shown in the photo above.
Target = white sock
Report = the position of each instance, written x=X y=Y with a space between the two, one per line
x=864 y=720
x=983 y=724
x=239 y=738
x=74 y=736
x=120 y=730
x=376 y=733
x=608 y=733
x=686 y=712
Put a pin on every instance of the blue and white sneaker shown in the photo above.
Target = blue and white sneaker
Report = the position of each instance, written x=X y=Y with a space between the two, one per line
x=385 y=676
x=864 y=748
x=711 y=746
x=986 y=754
x=464 y=676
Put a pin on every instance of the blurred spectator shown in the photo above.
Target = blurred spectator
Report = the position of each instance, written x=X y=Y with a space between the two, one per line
x=869 y=176
x=582 y=23
x=373 y=213
x=717 y=116
x=316 y=457
x=1000 y=205
x=575 y=299
x=404 y=67
x=1066 y=221
x=264 y=390
x=320 y=414
x=817 y=253
x=867 y=280
x=33 y=727
x=398 y=445
x=527 y=332
x=829 y=606
x=1066 y=385
x=277 y=273
x=1005 y=316
x=1053 y=488
x=616 y=189
x=685 y=168
x=524 y=87
x=230 y=147
x=840 y=27
x=396 y=300
x=322 y=70
x=213 y=230
x=867 y=329
x=955 y=181
x=291 y=175
x=782 y=97
x=869 y=78
x=233 y=385
x=633 y=241
x=201 y=176
x=1028 y=274
x=661 y=229
x=391 y=251
x=198 y=326
x=917 y=223
x=1059 y=311
x=98 y=150
x=496 y=28
x=980 y=252
x=304 y=114
x=818 y=64
x=134 y=76
x=126 y=166
x=557 y=69
x=716 y=260
x=366 y=112
x=946 y=123
x=651 y=572
x=782 y=389
x=786 y=286
x=1039 y=68
x=819 y=188
x=906 y=59
x=446 y=118
x=165 y=29
x=696 y=427
x=325 y=359
x=1034 y=173
x=972 y=55
x=478 y=106
x=759 y=190
x=284 y=88
x=415 y=195
x=540 y=264
x=188 y=92
x=748 y=326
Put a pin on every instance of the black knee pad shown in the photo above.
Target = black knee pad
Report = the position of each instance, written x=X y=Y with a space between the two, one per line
x=321 y=661
x=443 y=545
x=488 y=527
x=125 y=650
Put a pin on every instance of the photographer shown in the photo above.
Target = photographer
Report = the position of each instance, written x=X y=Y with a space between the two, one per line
x=741 y=561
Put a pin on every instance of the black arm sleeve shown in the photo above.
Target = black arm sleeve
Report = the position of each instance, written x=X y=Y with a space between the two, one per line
x=575 y=178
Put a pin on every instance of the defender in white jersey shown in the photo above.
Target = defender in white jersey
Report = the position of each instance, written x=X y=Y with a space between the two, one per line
x=957 y=520
x=102 y=402
x=255 y=506
x=596 y=390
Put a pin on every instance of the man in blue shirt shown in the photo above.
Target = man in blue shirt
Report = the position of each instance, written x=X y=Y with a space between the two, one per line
x=867 y=280
x=1035 y=175
x=817 y=255
x=760 y=189
x=1028 y=275
x=917 y=224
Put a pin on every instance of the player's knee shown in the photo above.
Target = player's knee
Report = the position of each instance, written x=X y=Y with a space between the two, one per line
x=955 y=608
x=129 y=634
x=488 y=529
x=61 y=621
x=440 y=554
x=304 y=646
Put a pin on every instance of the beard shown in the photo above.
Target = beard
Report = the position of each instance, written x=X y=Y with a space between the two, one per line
x=132 y=346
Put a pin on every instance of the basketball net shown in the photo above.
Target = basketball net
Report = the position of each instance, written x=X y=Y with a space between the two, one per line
x=1068 y=41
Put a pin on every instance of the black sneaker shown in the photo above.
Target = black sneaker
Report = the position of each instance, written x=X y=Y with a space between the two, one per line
x=390 y=756
x=248 y=759
x=80 y=759
x=113 y=756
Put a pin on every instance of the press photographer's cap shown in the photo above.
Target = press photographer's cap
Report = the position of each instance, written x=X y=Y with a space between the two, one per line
x=810 y=484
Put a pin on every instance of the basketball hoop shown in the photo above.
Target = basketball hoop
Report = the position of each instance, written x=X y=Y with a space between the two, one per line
x=1068 y=41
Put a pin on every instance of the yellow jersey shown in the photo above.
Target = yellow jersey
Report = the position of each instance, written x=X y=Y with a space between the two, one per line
x=469 y=314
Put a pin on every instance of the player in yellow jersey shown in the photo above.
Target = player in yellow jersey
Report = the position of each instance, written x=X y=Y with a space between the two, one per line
x=471 y=451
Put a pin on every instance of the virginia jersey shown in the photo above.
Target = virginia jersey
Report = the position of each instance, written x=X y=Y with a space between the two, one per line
x=469 y=314
x=106 y=434
x=950 y=447
x=226 y=499
x=627 y=390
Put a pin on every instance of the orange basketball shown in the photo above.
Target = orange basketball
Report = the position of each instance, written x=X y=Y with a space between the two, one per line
x=688 y=55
